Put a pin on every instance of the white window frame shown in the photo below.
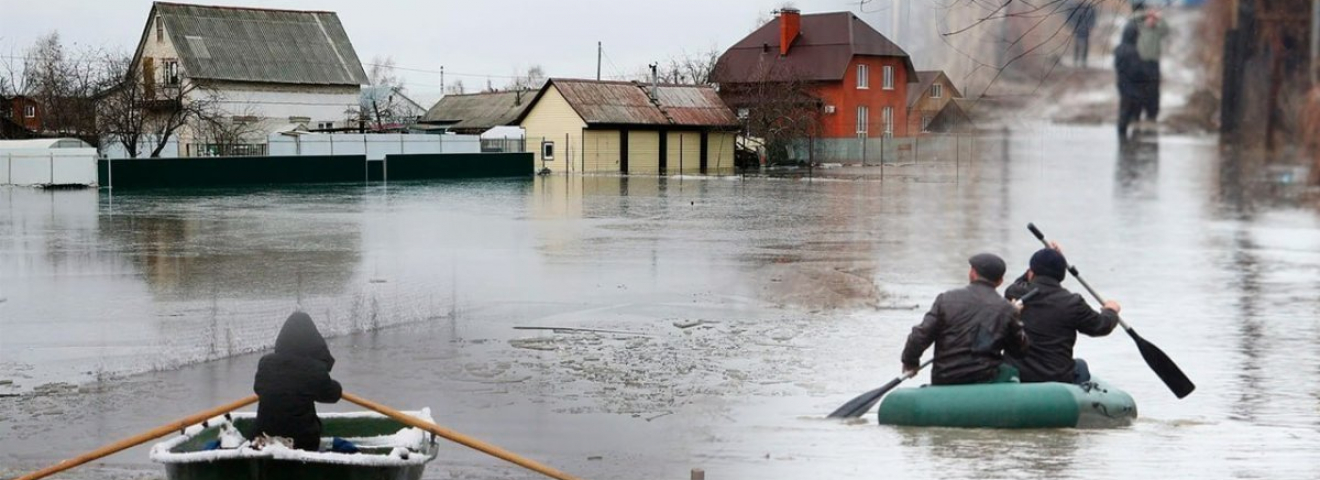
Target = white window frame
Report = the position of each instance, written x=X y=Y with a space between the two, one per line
x=889 y=77
x=887 y=119
x=325 y=125
x=160 y=30
x=29 y=111
x=936 y=90
x=863 y=77
x=863 y=120
x=925 y=121
x=170 y=73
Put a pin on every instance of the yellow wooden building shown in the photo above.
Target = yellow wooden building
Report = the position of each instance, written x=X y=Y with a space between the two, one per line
x=591 y=126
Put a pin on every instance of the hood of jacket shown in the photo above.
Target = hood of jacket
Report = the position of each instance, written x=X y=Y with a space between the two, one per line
x=1130 y=34
x=299 y=337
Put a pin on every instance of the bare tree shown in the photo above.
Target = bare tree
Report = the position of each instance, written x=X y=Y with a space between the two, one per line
x=62 y=83
x=778 y=110
x=456 y=89
x=383 y=101
x=229 y=135
x=689 y=68
x=142 y=111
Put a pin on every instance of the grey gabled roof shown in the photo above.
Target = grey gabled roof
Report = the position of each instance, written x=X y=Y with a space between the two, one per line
x=629 y=103
x=479 y=111
x=260 y=45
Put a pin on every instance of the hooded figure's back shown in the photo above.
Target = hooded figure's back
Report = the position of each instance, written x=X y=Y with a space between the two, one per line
x=291 y=380
x=1128 y=65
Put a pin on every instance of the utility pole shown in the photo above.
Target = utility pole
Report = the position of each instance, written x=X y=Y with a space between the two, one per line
x=598 y=54
x=442 y=79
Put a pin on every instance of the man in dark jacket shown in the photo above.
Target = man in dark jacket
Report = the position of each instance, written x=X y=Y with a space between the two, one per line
x=1134 y=80
x=1052 y=319
x=1081 y=17
x=971 y=327
x=290 y=380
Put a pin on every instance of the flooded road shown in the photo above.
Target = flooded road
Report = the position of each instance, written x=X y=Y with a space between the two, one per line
x=126 y=311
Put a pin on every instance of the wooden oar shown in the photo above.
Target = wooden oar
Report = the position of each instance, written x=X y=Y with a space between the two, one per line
x=1158 y=361
x=858 y=406
x=140 y=438
x=479 y=445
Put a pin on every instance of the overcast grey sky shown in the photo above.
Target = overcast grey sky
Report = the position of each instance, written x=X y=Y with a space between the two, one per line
x=471 y=39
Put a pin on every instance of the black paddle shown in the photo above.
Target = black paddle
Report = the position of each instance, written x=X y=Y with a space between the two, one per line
x=1163 y=366
x=860 y=405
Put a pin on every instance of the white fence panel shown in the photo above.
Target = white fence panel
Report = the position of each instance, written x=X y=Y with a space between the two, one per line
x=74 y=166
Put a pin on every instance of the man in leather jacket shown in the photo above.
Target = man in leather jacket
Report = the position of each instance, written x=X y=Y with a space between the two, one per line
x=1052 y=318
x=971 y=328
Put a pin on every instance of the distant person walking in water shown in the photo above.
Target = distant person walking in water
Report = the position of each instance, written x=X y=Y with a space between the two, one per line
x=971 y=328
x=1133 y=79
x=291 y=380
x=1081 y=17
x=1151 y=30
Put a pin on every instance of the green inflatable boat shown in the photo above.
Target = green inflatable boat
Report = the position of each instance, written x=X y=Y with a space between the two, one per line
x=1010 y=405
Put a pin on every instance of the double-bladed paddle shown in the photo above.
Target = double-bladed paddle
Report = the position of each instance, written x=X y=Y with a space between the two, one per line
x=863 y=403
x=1158 y=361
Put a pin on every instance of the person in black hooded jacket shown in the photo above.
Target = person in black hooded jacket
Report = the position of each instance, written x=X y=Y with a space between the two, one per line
x=291 y=380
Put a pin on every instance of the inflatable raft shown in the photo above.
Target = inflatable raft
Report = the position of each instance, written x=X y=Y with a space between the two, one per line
x=1010 y=405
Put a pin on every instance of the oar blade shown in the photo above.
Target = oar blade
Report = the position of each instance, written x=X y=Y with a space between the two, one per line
x=858 y=406
x=1169 y=373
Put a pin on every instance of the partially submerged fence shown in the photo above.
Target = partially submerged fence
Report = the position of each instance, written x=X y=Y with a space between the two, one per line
x=279 y=170
x=886 y=150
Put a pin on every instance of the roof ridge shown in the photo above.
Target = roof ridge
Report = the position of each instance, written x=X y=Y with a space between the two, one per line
x=229 y=7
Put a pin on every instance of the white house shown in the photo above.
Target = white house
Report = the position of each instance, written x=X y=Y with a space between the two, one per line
x=264 y=68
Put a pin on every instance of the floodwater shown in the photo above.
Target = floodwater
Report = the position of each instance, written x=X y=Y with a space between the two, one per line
x=123 y=312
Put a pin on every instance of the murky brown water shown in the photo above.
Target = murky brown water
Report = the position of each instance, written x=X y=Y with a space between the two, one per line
x=806 y=290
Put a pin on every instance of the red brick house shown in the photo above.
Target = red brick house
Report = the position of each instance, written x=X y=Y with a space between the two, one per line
x=859 y=78
x=24 y=111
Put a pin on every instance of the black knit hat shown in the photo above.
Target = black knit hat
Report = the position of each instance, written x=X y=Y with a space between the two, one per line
x=989 y=266
x=1048 y=262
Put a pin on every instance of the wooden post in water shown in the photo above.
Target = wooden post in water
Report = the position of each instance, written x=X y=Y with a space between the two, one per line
x=698 y=474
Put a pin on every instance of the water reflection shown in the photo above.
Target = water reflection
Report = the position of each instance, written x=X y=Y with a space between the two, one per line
x=1044 y=453
x=1138 y=170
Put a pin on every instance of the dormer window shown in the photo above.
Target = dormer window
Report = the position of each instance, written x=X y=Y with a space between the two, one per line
x=936 y=91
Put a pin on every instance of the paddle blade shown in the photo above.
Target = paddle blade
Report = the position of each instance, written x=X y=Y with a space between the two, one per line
x=1163 y=366
x=858 y=406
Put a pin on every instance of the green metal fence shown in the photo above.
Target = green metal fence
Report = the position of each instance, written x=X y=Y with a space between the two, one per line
x=232 y=171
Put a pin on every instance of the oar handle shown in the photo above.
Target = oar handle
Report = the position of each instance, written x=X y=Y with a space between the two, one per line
x=141 y=438
x=1073 y=270
x=907 y=375
x=460 y=438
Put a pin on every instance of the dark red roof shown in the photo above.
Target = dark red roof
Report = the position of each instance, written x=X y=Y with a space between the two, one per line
x=821 y=52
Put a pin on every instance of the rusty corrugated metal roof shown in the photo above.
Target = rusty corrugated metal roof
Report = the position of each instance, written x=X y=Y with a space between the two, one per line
x=261 y=45
x=629 y=103
x=821 y=52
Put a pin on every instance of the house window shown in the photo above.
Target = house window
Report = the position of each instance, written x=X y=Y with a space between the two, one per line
x=325 y=125
x=171 y=72
x=160 y=31
x=862 y=123
x=925 y=122
x=887 y=119
x=863 y=77
x=30 y=111
x=936 y=91
x=889 y=77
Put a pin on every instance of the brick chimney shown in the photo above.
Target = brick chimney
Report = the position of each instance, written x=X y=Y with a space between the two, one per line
x=790 y=25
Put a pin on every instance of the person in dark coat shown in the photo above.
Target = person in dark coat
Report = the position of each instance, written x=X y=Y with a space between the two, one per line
x=1053 y=318
x=1133 y=79
x=1081 y=18
x=971 y=328
x=291 y=380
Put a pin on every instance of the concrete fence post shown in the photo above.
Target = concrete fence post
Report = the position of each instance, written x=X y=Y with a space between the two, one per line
x=698 y=474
